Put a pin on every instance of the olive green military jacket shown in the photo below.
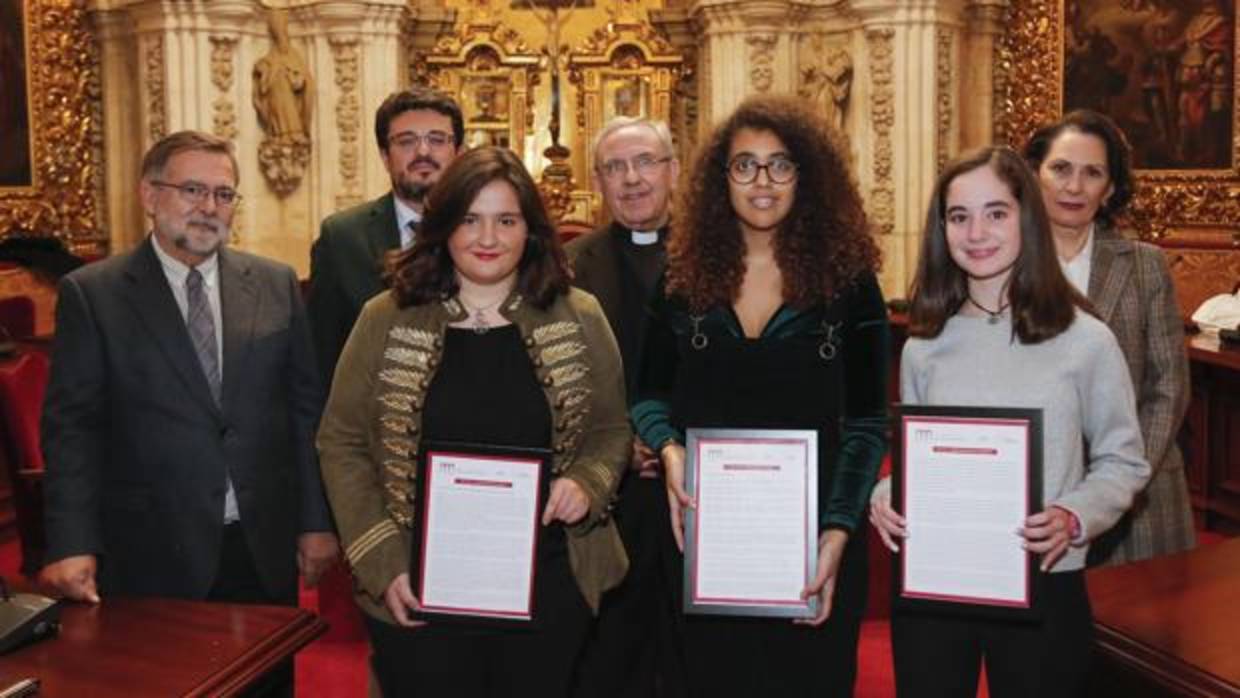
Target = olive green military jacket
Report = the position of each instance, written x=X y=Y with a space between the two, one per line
x=369 y=437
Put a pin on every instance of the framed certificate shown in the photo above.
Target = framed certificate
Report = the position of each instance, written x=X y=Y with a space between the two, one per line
x=751 y=545
x=474 y=554
x=965 y=479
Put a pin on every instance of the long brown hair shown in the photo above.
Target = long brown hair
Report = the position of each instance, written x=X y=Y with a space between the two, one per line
x=425 y=272
x=1042 y=301
x=822 y=247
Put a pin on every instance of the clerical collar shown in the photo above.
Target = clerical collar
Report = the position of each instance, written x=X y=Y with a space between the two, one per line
x=641 y=237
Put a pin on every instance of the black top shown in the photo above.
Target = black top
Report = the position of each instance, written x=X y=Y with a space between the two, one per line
x=486 y=392
x=823 y=368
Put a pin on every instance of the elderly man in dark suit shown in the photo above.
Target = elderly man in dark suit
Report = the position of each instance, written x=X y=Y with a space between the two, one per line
x=419 y=132
x=633 y=651
x=179 y=422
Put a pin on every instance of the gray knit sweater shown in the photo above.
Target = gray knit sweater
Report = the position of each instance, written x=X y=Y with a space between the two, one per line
x=1093 y=457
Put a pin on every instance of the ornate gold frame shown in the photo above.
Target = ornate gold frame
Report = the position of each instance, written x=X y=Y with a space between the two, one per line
x=1029 y=92
x=478 y=53
x=622 y=53
x=62 y=73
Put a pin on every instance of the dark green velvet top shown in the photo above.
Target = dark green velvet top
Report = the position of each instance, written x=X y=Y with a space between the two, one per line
x=823 y=367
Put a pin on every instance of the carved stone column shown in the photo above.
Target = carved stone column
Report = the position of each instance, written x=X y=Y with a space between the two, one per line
x=984 y=19
x=746 y=48
x=172 y=66
x=908 y=80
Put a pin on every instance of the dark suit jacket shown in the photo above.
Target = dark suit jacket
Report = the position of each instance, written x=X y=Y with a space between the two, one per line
x=345 y=271
x=1131 y=287
x=136 y=447
x=599 y=270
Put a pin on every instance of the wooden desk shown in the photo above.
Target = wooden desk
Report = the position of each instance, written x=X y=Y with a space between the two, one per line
x=1210 y=437
x=159 y=647
x=1169 y=626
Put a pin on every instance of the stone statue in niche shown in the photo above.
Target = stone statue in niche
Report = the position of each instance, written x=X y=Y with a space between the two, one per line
x=283 y=93
x=829 y=85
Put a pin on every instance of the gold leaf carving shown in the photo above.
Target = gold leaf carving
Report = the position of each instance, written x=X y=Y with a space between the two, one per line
x=882 y=201
x=1028 y=86
x=65 y=199
x=943 y=96
x=348 y=119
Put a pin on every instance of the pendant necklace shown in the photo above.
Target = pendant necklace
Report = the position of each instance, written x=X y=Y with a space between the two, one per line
x=480 y=322
x=993 y=315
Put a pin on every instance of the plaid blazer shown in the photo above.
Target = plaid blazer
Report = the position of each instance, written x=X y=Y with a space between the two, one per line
x=1130 y=285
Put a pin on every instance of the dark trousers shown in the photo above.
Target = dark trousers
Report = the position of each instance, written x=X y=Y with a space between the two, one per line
x=237 y=582
x=634 y=650
x=940 y=656
x=454 y=658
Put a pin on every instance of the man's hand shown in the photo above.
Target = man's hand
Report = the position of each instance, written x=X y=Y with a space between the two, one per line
x=73 y=577
x=316 y=552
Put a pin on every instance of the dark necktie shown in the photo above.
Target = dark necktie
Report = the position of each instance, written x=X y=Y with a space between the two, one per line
x=202 y=331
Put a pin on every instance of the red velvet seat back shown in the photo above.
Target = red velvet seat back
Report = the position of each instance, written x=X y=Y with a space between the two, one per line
x=23 y=381
x=17 y=316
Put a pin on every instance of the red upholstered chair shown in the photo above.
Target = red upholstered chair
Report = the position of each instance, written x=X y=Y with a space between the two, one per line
x=23 y=381
x=572 y=229
x=17 y=316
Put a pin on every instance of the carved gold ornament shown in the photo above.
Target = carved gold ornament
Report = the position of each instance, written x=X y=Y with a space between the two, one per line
x=1029 y=80
x=65 y=197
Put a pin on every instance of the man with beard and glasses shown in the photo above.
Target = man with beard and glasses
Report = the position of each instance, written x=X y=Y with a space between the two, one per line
x=419 y=132
x=179 y=422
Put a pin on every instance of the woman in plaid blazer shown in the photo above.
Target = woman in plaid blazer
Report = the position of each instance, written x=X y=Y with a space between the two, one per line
x=1084 y=165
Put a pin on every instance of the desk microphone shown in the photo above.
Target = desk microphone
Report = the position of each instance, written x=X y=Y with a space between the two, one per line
x=25 y=618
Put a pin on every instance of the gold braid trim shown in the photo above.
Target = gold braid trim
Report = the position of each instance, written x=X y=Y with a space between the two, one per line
x=555 y=331
x=402 y=378
x=414 y=358
x=423 y=339
x=367 y=541
x=563 y=375
x=563 y=351
x=400 y=402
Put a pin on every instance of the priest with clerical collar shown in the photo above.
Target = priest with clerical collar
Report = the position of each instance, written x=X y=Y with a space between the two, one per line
x=621 y=263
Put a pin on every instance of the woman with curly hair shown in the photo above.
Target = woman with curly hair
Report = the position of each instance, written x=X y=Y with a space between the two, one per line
x=771 y=317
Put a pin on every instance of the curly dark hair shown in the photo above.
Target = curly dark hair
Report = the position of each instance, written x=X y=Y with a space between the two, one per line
x=1119 y=155
x=822 y=247
x=426 y=272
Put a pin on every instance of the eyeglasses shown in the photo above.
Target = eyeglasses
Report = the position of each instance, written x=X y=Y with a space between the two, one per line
x=410 y=140
x=196 y=193
x=744 y=169
x=643 y=165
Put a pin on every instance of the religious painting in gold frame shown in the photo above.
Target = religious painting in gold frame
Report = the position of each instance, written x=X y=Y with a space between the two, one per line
x=627 y=69
x=15 y=141
x=625 y=95
x=1151 y=65
x=492 y=72
x=61 y=194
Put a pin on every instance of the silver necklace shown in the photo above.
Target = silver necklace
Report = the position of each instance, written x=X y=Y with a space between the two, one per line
x=994 y=315
x=480 y=322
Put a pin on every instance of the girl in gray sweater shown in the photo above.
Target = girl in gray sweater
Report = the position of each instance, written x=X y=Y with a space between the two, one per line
x=994 y=323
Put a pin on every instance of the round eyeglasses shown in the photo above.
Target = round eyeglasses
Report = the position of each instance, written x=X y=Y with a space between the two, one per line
x=744 y=169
